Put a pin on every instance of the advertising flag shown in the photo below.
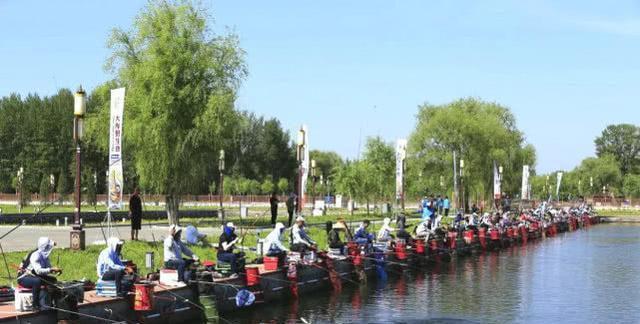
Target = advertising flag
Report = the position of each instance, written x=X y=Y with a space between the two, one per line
x=116 y=179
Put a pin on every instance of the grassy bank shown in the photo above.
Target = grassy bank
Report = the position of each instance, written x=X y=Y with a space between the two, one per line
x=619 y=212
x=82 y=264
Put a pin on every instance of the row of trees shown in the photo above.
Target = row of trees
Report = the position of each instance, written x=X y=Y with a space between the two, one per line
x=615 y=171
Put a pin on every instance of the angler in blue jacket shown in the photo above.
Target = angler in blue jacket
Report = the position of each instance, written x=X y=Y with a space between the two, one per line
x=111 y=268
x=362 y=236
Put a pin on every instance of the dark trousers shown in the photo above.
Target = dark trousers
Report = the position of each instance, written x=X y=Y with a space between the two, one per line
x=114 y=275
x=34 y=283
x=299 y=247
x=233 y=259
x=181 y=266
x=446 y=212
x=274 y=215
x=290 y=211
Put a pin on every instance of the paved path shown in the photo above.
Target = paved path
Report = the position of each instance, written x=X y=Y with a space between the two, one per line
x=26 y=237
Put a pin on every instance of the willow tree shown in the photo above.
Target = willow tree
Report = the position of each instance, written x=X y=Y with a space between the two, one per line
x=480 y=133
x=181 y=80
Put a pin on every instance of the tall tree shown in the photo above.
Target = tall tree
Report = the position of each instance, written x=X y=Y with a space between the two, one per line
x=480 y=133
x=623 y=143
x=181 y=82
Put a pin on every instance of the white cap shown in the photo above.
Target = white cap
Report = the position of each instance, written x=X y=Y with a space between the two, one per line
x=299 y=219
x=174 y=228
x=230 y=224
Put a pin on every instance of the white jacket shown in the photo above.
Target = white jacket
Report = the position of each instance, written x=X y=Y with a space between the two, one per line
x=273 y=240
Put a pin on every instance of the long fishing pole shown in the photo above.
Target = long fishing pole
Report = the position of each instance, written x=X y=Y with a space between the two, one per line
x=6 y=264
x=24 y=221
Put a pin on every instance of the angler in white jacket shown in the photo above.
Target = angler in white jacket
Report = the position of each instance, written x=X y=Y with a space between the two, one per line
x=272 y=245
x=384 y=234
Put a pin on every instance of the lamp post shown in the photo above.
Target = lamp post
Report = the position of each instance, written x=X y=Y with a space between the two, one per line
x=52 y=182
x=591 y=185
x=546 y=185
x=19 y=189
x=300 y=157
x=77 y=234
x=462 y=186
x=221 y=187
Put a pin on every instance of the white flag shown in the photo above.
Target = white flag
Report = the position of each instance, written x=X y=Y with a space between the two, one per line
x=525 y=183
x=558 y=185
x=116 y=179
x=497 y=191
x=305 y=167
x=401 y=154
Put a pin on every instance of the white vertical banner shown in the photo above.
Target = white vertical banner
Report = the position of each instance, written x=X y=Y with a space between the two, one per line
x=116 y=179
x=525 y=194
x=497 y=191
x=305 y=166
x=401 y=155
x=558 y=185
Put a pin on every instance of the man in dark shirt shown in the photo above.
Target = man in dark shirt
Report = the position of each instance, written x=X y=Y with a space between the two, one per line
x=273 y=201
x=291 y=205
x=228 y=240
x=135 y=213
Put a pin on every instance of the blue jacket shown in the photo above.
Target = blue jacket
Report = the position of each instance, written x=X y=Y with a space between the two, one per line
x=109 y=258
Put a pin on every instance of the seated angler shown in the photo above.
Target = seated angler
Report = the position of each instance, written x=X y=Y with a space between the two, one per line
x=300 y=240
x=194 y=237
x=173 y=250
x=227 y=244
x=36 y=271
x=362 y=236
x=423 y=230
x=335 y=242
x=384 y=234
x=273 y=246
x=111 y=268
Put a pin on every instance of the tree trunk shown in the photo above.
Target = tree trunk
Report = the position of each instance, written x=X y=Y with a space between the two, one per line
x=172 y=207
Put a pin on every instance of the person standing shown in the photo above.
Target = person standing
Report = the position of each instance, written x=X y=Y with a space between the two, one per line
x=446 y=205
x=135 y=213
x=291 y=207
x=273 y=201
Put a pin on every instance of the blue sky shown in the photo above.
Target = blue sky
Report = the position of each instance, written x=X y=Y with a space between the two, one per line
x=352 y=69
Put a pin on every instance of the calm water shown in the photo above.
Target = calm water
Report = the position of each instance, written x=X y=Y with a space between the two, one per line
x=581 y=277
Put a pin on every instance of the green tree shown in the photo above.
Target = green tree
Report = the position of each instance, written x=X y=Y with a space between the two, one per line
x=283 y=185
x=605 y=171
x=181 y=82
x=623 y=143
x=380 y=158
x=480 y=133
x=631 y=186
x=267 y=187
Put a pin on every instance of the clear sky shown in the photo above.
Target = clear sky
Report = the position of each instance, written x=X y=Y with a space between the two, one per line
x=352 y=69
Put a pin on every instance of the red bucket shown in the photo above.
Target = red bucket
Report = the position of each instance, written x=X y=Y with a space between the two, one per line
x=144 y=297
x=420 y=248
x=452 y=240
x=468 y=236
x=270 y=263
x=357 y=259
x=253 y=276
x=495 y=235
x=510 y=232
x=401 y=251
x=525 y=234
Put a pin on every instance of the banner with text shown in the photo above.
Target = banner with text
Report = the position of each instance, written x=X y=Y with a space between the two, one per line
x=305 y=166
x=525 y=194
x=401 y=154
x=497 y=191
x=116 y=179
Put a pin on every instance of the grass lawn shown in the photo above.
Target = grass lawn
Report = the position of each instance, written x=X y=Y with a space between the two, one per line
x=619 y=212
x=82 y=264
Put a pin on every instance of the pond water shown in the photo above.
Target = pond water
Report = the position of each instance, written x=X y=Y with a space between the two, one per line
x=588 y=276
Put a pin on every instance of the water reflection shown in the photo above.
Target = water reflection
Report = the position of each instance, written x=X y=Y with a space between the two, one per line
x=582 y=277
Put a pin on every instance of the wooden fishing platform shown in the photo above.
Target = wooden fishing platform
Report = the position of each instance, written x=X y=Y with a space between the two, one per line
x=170 y=303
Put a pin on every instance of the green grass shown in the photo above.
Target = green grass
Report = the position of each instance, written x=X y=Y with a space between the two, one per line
x=82 y=264
x=619 y=212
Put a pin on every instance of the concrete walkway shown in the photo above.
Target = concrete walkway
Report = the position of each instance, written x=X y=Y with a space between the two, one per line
x=26 y=237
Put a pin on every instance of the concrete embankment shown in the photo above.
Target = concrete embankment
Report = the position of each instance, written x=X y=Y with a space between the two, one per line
x=621 y=219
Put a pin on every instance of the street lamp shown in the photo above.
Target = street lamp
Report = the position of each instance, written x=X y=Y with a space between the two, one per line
x=300 y=156
x=546 y=185
x=19 y=189
x=77 y=235
x=52 y=182
x=221 y=187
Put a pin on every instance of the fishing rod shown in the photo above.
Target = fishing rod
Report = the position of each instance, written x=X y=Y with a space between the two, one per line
x=87 y=315
x=25 y=220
